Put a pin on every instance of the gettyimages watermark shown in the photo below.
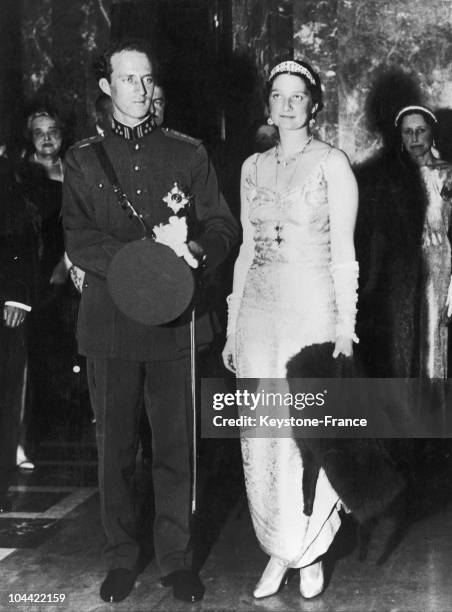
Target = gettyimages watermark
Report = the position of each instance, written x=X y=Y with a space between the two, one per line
x=324 y=408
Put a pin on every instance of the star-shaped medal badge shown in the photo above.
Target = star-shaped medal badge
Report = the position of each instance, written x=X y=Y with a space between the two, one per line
x=176 y=199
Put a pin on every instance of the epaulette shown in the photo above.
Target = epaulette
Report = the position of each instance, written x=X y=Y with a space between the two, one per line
x=87 y=141
x=180 y=136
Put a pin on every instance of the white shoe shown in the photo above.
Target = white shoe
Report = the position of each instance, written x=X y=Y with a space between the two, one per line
x=272 y=578
x=312 y=580
x=22 y=461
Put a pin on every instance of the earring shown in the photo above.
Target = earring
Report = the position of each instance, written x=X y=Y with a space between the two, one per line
x=270 y=121
x=402 y=148
x=434 y=151
x=312 y=123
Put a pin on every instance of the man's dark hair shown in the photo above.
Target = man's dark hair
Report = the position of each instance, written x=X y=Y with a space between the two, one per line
x=102 y=103
x=102 y=66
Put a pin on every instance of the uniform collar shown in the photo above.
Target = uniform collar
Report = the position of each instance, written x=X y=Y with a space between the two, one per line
x=133 y=133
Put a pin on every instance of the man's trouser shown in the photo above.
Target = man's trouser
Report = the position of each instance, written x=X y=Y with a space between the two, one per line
x=117 y=391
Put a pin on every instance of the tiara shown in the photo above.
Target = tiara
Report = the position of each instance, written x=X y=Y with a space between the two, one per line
x=414 y=107
x=293 y=67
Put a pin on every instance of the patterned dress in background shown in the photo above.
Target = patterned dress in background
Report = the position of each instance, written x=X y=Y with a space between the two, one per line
x=436 y=260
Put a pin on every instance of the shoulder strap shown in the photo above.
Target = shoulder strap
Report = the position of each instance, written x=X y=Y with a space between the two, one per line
x=112 y=177
x=109 y=170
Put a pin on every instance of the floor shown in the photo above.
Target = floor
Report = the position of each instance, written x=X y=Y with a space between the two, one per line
x=51 y=543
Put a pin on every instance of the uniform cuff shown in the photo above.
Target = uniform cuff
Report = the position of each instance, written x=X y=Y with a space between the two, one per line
x=215 y=249
x=18 y=305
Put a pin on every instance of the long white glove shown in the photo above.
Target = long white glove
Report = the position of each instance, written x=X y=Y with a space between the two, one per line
x=449 y=299
x=233 y=302
x=345 y=279
x=174 y=235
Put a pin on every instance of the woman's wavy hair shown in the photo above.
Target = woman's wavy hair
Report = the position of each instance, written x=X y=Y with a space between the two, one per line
x=43 y=112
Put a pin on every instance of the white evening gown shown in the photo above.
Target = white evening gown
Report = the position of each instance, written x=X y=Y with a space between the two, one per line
x=288 y=303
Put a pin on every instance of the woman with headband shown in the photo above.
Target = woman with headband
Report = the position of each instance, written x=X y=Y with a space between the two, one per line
x=416 y=127
x=405 y=300
x=295 y=284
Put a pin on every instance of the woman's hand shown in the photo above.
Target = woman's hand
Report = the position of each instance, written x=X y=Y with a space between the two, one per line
x=449 y=300
x=343 y=346
x=432 y=235
x=229 y=354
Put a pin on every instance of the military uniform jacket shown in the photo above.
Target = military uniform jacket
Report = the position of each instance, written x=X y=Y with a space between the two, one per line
x=148 y=161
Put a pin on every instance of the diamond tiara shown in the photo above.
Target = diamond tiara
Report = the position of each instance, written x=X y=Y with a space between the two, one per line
x=293 y=67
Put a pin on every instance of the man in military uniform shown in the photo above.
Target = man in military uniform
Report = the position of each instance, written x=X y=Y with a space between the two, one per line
x=127 y=360
x=18 y=259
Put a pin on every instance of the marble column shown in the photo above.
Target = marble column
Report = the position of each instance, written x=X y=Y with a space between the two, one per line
x=10 y=71
x=315 y=41
x=60 y=41
x=263 y=29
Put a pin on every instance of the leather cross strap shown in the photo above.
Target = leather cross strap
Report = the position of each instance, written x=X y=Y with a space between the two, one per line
x=112 y=177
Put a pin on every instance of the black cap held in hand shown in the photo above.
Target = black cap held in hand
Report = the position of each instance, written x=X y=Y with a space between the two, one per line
x=149 y=283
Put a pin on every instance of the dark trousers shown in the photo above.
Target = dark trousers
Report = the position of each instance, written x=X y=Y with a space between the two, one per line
x=13 y=359
x=117 y=391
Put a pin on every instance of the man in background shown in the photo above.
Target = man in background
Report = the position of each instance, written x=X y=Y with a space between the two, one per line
x=18 y=256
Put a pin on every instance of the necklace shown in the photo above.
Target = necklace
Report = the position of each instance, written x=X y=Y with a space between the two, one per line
x=293 y=157
x=279 y=226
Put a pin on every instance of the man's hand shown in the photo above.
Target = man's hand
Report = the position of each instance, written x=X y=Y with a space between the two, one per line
x=13 y=316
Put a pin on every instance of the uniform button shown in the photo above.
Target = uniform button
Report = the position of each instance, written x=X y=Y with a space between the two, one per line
x=138 y=191
x=137 y=147
x=100 y=185
x=136 y=168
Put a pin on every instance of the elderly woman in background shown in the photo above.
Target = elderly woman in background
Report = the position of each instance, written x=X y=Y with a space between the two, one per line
x=52 y=339
x=41 y=173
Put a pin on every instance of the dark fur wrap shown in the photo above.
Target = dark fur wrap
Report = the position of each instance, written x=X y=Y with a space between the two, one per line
x=360 y=470
x=388 y=240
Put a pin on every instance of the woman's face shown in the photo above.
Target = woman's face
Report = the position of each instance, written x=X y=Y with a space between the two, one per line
x=417 y=136
x=46 y=136
x=290 y=102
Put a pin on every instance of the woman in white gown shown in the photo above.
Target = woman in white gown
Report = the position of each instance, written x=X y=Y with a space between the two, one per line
x=295 y=284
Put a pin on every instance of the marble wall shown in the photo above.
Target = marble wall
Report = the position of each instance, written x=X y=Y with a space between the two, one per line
x=262 y=28
x=387 y=50
x=373 y=55
x=60 y=41
x=315 y=41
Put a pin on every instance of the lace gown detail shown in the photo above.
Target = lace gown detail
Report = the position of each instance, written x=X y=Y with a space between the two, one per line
x=288 y=303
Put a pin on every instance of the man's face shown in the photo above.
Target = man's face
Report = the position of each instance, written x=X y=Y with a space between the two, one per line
x=46 y=136
x=158 y=105
x=131 y=86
